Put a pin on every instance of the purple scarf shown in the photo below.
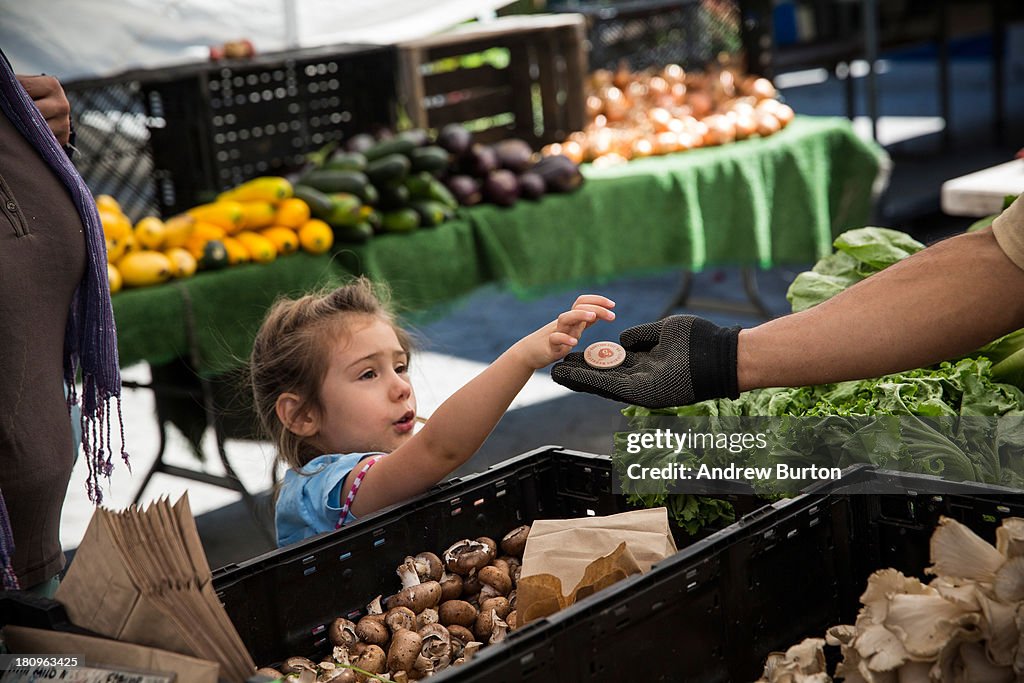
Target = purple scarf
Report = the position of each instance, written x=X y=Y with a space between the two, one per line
x=90 y=339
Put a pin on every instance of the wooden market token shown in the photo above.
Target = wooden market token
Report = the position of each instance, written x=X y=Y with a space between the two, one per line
x=604 y=355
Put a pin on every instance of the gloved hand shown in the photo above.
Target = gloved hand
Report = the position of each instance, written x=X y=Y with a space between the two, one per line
x=675 y=361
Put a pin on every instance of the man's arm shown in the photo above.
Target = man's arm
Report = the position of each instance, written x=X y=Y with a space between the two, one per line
x=942 y=302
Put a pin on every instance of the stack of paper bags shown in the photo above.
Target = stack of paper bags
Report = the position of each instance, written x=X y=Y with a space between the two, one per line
x=141 y=576
x=587 y=554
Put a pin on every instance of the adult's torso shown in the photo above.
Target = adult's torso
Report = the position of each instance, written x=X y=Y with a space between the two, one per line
x=42 y=260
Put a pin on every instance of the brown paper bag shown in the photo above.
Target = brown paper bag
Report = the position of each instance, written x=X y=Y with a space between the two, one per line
x=587 y=553
x=140 y=576
x=100 y=652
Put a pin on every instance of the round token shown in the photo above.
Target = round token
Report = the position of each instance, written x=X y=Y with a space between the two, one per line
x=604 y=355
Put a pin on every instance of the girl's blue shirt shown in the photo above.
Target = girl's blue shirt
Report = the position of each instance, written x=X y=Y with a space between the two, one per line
x=309 y=502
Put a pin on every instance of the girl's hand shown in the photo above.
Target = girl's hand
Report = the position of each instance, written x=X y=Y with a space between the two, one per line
x=556 y=339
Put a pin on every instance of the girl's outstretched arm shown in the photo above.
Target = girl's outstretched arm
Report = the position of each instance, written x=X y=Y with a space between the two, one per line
x=461 y=424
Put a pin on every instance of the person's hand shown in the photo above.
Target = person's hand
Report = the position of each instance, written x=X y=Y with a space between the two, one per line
x=53 y=104
x=556 y=339
x=675 y=361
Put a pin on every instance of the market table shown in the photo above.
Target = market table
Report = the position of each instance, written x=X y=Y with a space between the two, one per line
x=982 y=193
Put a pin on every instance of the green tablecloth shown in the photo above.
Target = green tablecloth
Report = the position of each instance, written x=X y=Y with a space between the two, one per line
x=223 y=309
x=757 y=202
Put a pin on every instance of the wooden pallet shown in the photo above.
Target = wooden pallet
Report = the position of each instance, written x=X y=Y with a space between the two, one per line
x=538 y=96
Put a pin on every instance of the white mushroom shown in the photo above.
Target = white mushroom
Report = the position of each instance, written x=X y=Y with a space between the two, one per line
x=959 y=552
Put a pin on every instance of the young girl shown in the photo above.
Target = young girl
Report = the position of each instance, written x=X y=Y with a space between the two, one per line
x=331 y=387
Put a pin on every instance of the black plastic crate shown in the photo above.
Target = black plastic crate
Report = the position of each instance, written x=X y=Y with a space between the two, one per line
x=174 y=137
x=302 y=588
x=653 y=33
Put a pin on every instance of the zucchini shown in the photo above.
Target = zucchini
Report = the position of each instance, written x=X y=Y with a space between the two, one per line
x=432 y=159
x=418 y=185
x=431 y=212
x=396 y=145
x=327 y=180
x=360 y=232
x=344 y=210
x=346 y=161
x=320 y=204
x=389 y=169
x=393 y=196
x=440 y=193
x=400 y=220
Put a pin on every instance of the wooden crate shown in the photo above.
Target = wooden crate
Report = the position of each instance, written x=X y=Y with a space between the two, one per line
x=538 y=96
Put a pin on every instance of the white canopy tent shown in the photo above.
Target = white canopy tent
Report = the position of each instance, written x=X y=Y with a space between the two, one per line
x=91 y=38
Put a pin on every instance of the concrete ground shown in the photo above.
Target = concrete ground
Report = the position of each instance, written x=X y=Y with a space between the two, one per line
x=476 y=330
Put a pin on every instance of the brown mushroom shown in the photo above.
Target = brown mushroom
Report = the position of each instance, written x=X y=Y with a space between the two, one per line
x=419 y=597
x=374 y=607
x=373 y=660
x=342 y=633
x=400 y=677
x=466 y=556
x=512 y=620
x=468 y=652
x=451 y=586
x=457 y=612
x=437 y=644
x=428 y=566
x=357 y=649
x=400 y=617
x=498 y=604
x=512 y=599
x=490 y=543
x=296 y=665
x=422 y=668
x=405 y=648
x=514 y=542
x=471 y=587
x=461 y=634
x=426 y=617
x=515 y=569
x=407 y=573
x=499 y=629
x=502 y=564
x=372 y=630
x=484 y=625
x=494 y=582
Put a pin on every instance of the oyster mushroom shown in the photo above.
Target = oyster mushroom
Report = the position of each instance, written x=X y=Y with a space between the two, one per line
x=959 y=552
x=514 y=542
x=419 y=597
x=1010 y=537
x=399 y=618
x=457 y=612
x=466 y=556
x=342 y=633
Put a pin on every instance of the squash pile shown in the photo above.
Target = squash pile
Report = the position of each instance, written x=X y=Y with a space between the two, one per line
x=256 y=222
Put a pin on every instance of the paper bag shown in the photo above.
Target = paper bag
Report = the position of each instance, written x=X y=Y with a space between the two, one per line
x=100 y=652
x=588 y=554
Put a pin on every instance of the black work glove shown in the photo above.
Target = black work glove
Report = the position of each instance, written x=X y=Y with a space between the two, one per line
x=675 y=361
